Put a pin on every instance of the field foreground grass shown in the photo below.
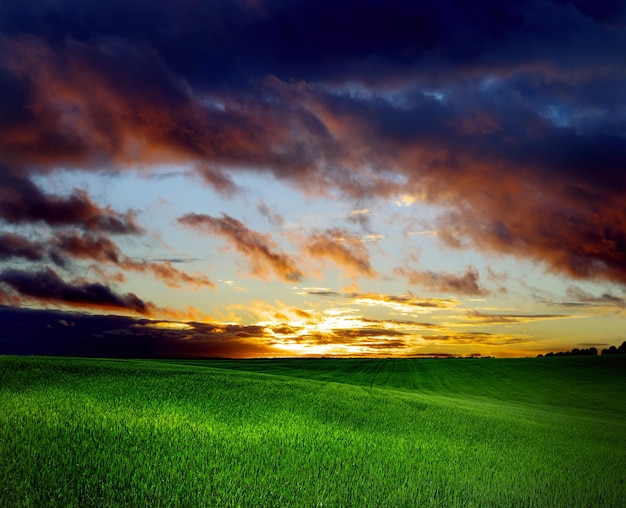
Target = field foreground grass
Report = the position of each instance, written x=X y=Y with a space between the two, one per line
x=325 y=432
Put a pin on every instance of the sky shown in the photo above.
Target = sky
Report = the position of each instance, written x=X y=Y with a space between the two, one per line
x=264 y=178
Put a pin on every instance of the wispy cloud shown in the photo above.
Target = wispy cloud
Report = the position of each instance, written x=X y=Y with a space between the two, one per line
x=362 y=217
x=218 y=179
x=272 y=216
x=261 y=251
x=465 y=284
x=343 y=248
x=402 y=303
x=477 y=339
x=481 y=318
x=580 y=297
x=104 y=250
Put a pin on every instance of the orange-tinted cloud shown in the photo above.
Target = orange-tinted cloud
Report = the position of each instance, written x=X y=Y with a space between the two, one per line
x=583 y=298
x=481 y=318
x=564 y=236
x=109 y=103
x=404 y=303
x=71 y=245
x=89 y=246
x=476 y=338
x=343 y=248
x=523 y=142
x=168 y=274
x=218 y=179
x=466 y=284
x=45 y=286
x=261 y=251
x=21 y=201
x=84 y=110
x=15 y=246
x=104 y=250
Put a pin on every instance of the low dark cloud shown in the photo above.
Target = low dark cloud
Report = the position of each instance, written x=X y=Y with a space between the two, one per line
x=22 y=202
x=15 y=246
x=47 y=287
x=312 y=39
x=44 y=332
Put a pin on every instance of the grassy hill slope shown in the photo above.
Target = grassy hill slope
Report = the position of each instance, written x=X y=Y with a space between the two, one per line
x=541 y=432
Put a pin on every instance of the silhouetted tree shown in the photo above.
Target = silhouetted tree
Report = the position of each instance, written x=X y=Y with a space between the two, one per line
x=592 y=351
x=621 y=350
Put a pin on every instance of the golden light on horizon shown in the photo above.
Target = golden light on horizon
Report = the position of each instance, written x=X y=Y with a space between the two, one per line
x=170 y=325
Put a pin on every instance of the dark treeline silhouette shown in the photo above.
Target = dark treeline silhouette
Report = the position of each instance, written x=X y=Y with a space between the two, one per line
x=621 y=350
x=592 y=351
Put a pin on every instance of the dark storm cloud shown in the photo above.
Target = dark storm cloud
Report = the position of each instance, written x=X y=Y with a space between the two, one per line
x=46 y=286
x=15 y=246
x=114 y=103
x=44 y=332
x=236 y=40
x=21 y=201
x=511 y=114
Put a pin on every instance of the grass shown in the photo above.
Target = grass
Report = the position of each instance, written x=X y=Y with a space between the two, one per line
x=333 y=432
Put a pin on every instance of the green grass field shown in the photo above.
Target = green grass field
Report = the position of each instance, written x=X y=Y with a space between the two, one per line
x=324 y=432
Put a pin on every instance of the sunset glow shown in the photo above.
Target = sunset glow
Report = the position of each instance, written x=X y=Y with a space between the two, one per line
x=248 y=179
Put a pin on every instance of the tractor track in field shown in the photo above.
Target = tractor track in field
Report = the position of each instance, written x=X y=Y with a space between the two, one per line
x=377 y=369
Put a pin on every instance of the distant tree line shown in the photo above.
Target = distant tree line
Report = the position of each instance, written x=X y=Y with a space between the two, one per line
x=592 y=351
x=621 y=350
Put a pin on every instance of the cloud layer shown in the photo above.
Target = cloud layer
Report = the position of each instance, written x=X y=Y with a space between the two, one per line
x=510 y=114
